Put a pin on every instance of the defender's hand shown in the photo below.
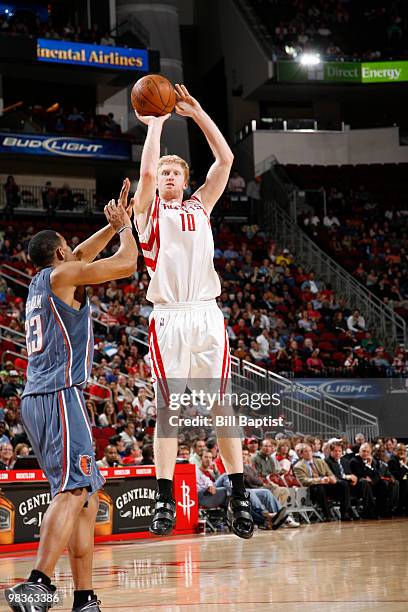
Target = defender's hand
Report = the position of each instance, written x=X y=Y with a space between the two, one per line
x=116 y=215
x=123 y=197
x=151 y=119
x=186 y=106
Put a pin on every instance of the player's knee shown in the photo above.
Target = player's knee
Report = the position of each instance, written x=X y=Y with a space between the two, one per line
x=74 y=496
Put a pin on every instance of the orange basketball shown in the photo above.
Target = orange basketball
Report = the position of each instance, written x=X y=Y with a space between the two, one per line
x=153 y=95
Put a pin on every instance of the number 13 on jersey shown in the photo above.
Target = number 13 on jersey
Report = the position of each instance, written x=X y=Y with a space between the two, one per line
x=190 y=226
x=34 y=335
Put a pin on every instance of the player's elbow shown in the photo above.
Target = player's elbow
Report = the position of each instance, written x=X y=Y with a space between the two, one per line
x=148 y=175
x=228 y=158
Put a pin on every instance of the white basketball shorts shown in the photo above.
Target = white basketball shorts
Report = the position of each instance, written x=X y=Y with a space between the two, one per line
x=189 y=341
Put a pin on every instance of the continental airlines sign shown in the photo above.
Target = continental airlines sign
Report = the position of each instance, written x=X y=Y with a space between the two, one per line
x=344 y=72
x=97 y=56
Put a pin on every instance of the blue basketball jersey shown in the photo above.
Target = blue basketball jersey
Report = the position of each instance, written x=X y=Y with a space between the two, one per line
x=59 y=340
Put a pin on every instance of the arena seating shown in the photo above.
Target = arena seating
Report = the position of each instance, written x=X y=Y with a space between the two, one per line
x=337 y=30
x=366 y=225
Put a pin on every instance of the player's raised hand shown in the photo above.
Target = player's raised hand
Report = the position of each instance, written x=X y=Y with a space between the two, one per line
x=186 y=105
x=123 y=199
x=116 y=215
x=149 y=119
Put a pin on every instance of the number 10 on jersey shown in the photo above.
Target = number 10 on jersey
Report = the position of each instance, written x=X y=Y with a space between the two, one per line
x=190 y=226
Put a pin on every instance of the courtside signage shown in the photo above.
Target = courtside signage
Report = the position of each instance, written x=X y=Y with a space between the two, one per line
x=343 y=72
x=63 y=146
x=97 y=56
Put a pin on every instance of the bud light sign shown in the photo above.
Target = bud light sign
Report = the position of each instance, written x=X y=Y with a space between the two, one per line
x=64 y=146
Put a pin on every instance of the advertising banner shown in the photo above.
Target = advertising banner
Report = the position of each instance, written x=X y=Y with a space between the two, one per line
x=125 y=503
x=343 y=72
x=338 y=72
x=64 y=146
x=384 y=72
x=96 y=56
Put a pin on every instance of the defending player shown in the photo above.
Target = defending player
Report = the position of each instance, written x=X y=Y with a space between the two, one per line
x=60 y=351
x=187 y=333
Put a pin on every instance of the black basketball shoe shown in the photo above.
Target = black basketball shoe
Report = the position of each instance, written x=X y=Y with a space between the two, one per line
x=30 y=597
x=239 y=517
x=164 y=517
x=89 y=606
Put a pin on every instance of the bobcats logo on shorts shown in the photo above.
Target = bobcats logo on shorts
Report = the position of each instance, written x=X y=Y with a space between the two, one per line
x=85 y=464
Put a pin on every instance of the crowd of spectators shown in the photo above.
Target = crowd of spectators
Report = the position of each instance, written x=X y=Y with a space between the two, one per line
x=278 y=316
x=25 y=22
x=366 y=231
x=51 y=198
x=337 y=29
x=56 y=119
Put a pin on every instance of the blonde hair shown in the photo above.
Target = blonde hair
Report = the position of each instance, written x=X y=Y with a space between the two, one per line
x=175 y=159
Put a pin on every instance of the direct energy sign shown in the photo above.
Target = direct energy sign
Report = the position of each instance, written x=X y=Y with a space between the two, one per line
x=64 y=146
x=97 y=56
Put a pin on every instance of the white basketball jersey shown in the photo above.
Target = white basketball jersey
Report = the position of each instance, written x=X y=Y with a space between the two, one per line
x=178 y=248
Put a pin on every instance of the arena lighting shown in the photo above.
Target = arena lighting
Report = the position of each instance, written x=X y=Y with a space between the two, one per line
x=290 y=51
x=310 y=59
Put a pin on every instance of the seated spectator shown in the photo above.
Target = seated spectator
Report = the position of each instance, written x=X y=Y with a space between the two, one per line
x=133 y=454
x=12 y=194
x=108 y=417
x=197 y=452
x=398 y=466
x=13 y=421
x=90 y=128
x=365 y=467
x=128 y=434
x=110 y=125
x=253 y=446
x=75 y=116
x=314 y=363
x=183 y=452
x=65 y=198
x=13 y=387
x=315 y=474
x=111 y=457
x=3 y=432
x=255 y=485
x=143 y=406
x=6 y=456
x=21 y=450
x=284 y=456
x=92 y=412
x=312 y=285
x=207 y=465
x=391 y=482
x=147 y=455
x=99 y=391
x=268 y=468
x=236 y=183
x=118 y=442
x=209 y=496
x=356 y=322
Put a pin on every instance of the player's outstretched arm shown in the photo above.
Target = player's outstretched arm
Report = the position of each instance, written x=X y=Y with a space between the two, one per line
x=90 y=248
x=146 y=188
x=77 y=273
x=218 y=174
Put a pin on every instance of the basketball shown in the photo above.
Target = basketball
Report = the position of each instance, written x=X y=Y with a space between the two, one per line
x=153 y=95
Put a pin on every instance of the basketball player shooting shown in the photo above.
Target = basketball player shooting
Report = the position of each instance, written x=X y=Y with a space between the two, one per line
x=60 y=353
x=187 y=335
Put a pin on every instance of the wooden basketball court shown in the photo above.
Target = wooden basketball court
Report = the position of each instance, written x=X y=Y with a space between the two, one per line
x=333 y=567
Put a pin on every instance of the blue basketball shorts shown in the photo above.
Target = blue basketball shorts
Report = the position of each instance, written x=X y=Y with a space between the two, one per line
x=60 y=434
